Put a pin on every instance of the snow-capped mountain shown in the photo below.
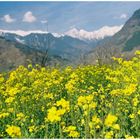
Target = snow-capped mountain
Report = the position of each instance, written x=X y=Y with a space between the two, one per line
x=25 y=33
x=94 y=35
x=81 y=34
x=64 y=46
x=70 y=44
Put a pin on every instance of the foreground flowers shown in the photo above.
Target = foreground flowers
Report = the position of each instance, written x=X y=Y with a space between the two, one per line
x=13 y=131
x=85 y=102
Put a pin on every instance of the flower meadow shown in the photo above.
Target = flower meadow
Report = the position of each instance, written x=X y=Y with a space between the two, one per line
x=98 y=101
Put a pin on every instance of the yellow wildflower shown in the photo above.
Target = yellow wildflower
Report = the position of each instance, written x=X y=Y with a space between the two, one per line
x=32 y=128
x=54 y=115
x=9 y=100
x=74 y=134
x=116 y=126
x=110 y=119
x=65 y=104
x=13 y=131
x=109 y=135
x=132 y=116
x=129 y=137
x=3 y=115
x=96 y=120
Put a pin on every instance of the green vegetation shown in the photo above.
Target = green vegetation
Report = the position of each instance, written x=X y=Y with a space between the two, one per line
x=133 y=42
x=83 y=102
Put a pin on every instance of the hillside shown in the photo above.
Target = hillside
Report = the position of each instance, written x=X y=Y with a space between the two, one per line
x=13 y=54
x=125 y=42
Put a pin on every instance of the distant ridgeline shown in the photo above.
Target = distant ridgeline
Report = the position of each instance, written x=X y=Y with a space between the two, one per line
x=66 y=50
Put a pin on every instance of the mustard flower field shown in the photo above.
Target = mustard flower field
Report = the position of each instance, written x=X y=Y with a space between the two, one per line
x=83 y=102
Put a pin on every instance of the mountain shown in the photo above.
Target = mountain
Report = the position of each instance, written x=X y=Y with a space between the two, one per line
x=125 y=42
x=81 y=34
x=63 y=49
x=66 y=47
x=13 y=54
x=128 y=38
x=70 y=45
x=99 y=34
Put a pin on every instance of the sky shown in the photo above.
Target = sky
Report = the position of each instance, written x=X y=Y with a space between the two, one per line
x=63 y=16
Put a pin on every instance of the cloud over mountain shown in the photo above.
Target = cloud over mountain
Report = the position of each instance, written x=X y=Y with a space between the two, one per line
x=29 y=17
x=123 y=16
x=8 y=19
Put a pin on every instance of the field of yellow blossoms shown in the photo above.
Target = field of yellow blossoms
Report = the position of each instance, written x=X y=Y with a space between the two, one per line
x=84 y=102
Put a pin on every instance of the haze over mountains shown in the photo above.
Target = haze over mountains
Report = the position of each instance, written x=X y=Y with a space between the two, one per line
x=18 y=46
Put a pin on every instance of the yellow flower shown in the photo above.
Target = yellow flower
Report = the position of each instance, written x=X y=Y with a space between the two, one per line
x=135 y=101
x=97 y=127
x=12 y=91
x=90 y=124
x=32 y=128
x=70 y=85
x=65 y=104
x=86 y=102
x=54 y=115
x=42 y=108
x=129 y=137
x=81 y=100
x=137 y=52
x=61 y=111
x=74 y=134
x=70 y=128
x=11 y=110
x=116 y=126
x=9 y=100
x=109 y=135
x=138 y=112
x=13 y=131
x=115 y=92
x=110 y=119
x=3 y=115
x=82 y=122
x=20 y=116
x=95 y=120
x=89 y=98
x=132 y=116
x=72 y=131
x=92 y=105
x=130 y=89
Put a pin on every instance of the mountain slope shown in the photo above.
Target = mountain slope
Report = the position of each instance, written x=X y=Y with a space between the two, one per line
x=64 y=46
x=125 y=42
x=128 y=37
x=13 y=54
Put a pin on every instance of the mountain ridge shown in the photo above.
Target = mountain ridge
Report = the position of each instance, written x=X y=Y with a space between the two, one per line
x=81 y=34
x=124 y=42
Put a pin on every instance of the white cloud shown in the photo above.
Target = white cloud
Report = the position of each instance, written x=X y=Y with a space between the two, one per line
x=123 y=16
x=98 y=34
x=29 y=17
x=7 y=18
x=44 y=21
